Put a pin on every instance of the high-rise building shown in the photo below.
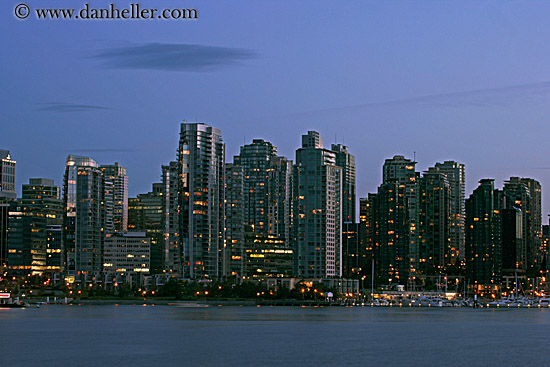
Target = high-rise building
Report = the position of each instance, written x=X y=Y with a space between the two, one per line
x=387 y=218
x=279 y=199
x=546 y=250
x=401 y=170
x=116 y=185
x=434 y=220
x=263 y=195
x=255 y=161
x=367 y=233
x=4 y=230
x=525 y=195
x=512 y=241
x=318 y=210
x=455 y=173
x=346 y=160
x=201 y=195
x=351 y=250
x=7 y=194
x=145 y=214
x=531 y=207
x=484 y=236
x=7 y=175
x=41 y=203
x=84 y=215
x=235 y=219
x=170 y=223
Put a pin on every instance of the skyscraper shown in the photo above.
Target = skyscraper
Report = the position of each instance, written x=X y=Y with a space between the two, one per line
x=41 y=202
x=84 y=215
x=279 y=199
x=484 y=236
x=388 y=224
x=512 y=242
x=171 y=219
x=367 y=233
x=145 y=214
x=201 y=195
x=255 y=161
x=434 y=219
x=7 y=194
x=4 y=230
x=318 y=210
x=7 y=175
x=525 y=195
x=402 y=171
x=455 y=173
x=235 y=219
x=116 y=184
x=351 y=250
x=346 y=160
x=263 y=193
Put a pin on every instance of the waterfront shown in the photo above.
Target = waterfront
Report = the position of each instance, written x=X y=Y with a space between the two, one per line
x=259 y=336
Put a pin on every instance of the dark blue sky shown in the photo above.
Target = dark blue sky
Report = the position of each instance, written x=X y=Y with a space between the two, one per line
x=464 y=80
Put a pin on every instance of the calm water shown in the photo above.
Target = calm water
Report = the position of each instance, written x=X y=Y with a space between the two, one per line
x=281 y=336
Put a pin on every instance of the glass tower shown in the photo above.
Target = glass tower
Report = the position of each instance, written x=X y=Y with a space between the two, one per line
x=84 y=215
x=201 y=196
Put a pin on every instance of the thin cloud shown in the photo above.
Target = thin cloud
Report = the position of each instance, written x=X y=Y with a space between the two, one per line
x=483 y=169
x=172 y=57
x=101 y=150
x=69 y=107
x=499 y=96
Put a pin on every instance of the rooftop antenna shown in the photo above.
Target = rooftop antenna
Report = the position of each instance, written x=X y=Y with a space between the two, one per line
x=414 y=155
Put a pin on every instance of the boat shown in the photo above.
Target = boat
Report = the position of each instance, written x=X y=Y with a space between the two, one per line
x=7 y=302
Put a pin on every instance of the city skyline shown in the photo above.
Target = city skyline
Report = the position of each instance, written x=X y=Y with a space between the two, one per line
x=437 y=79
x=213 y=182
x=134 y=194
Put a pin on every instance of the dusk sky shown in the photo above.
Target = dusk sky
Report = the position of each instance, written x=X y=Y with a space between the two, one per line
x=464 y=80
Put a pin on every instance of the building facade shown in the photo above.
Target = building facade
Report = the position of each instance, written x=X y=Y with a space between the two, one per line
x=7 y=194
x=116 y=185
x=346 y=160
x=7 y=175
x=145 y=214
x=317 y=210
x=484 y=236
x=127 y=252
x=456 y=177
x=235 y=220
x=173 y=248
x=525 y=194
x=201 y=195
x=435 y=252
x=42 y=207
x=401 y=170
x=84 y=215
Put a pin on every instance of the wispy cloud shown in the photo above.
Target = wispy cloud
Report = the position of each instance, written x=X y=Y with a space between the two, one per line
x=172 y=57
x=101 y=150
x=68 y=107
x=513 y=168
x=499 y=96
